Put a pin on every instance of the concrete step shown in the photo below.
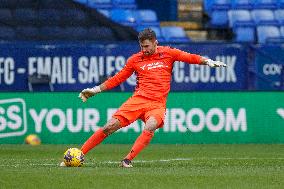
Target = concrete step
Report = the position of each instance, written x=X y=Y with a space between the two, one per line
x=196 y=35
x=185 y=25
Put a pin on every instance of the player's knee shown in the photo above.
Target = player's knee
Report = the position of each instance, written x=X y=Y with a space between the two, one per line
x=112 y=126
x=151 y=124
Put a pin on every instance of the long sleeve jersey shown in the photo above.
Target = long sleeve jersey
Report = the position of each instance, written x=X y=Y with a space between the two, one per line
x=153 y=72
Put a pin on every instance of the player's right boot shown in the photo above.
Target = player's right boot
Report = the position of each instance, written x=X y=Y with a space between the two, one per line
x=126 y=163
x=62 y=164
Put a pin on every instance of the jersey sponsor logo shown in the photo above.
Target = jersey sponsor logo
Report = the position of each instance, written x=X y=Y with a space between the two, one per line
x=153 y=65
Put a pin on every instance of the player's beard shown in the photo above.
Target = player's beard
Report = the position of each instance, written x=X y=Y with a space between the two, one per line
x=150 y=52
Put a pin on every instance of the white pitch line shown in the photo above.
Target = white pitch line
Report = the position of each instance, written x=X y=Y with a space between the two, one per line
x=144 y=161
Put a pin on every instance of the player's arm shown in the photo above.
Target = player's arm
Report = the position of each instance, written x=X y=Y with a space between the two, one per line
x=183 y=56
x=110 y=83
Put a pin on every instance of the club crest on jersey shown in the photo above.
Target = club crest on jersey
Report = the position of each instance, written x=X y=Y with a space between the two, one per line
x=153 y=65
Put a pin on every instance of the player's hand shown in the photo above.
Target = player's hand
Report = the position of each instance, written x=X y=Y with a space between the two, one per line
x=89 y=92
x=213 y=63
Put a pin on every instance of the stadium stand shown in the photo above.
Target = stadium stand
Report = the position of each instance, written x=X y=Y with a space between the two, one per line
x=53 y=19
x=58 y=20
x=247 y=19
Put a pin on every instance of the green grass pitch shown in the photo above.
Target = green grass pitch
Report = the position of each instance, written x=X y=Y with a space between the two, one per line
x=158 y=166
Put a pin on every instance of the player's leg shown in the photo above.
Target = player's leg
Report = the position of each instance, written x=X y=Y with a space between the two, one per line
x=112 y=125
x=143 y=140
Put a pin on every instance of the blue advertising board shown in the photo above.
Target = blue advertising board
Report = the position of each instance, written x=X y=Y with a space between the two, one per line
x=269 y=64
x=74 y=66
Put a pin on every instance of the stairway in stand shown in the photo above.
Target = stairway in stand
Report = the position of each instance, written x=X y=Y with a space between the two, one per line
x=190 y=17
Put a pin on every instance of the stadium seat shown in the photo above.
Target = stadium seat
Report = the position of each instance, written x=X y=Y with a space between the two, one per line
x=100 y=4
x=73 y=17
x=267 y=33
x=124 y=4
x=219 y=18
x=147 y=17
x=124 y=17
x=280 y=3
x=244 y=34
x=174 y=34
x=263 y=17
x=7 y=33
x=27 y=33
x=53 y=4
x=156 y=29
x=26 y=16
x=105 y=12
x=240 y=18
x=6 y=16
x=75 y=33
x=26 y=4
x=81 y=1
x=221 y=4
x=282 y=31
x=265 y=4
x=207 y=4
x=279 y=16
x=100 y=34
x=49 y=17
x=51 y=33
x=8 y=3
x=242 y=4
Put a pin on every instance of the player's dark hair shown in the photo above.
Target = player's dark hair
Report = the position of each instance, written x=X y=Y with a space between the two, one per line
x=147 y=33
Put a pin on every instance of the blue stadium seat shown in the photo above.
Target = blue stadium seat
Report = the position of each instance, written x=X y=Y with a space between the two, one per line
x=240 y=18
x=263 y=16
x=221 y=4
x=52 y=4
x=219 y=18
x=266 y=4
x=156 y=29
x=105 y=12
x=8 y=3
x=100 y=34
x=73 y=17
x=124 y=17
x=282 y=31
x=26 y=16
x=81 y=1
x=75 y=33
x=207 y=4
x=26 y=4
x=279 y=16
x=124 y=4
x=174 y=34
x=244 y=34
x=7 y=33
x=147 y=17
x=27 y=33
x=281 y=3
x=49 y=17
x=267 y=33
x=242 y=4
x=51 y=33
x=100 y=4
x=6 y=16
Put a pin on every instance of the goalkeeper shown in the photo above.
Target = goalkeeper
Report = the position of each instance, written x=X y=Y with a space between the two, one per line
x=153 y=66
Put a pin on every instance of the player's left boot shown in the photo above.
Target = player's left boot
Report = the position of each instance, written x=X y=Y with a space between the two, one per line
x=62 y=164
x=126 y=163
